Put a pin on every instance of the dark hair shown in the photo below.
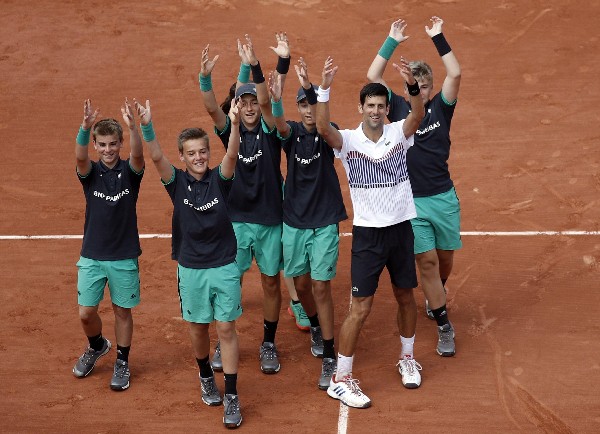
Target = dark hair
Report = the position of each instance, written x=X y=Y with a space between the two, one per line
x=374 y=89
x=191 y=134
x=107 y=127
x=226 y=105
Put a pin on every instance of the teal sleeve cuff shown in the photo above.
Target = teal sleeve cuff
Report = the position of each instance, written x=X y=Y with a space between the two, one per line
x=244 y=75
x=277 y=108
x=148 y=132
x=83 y=136
x=205 y=82
x=388 y=47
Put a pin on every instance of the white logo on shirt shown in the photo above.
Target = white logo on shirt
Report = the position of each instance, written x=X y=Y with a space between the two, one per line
x=307 y=160
x=429 y=128
x=250 y=159
x=203 y=207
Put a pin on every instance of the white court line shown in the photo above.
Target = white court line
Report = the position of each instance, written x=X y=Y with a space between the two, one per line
x=343 y=415
x=342 y=234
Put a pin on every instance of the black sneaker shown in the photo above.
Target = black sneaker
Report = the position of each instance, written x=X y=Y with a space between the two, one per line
x=88 y=360
x=120 y=378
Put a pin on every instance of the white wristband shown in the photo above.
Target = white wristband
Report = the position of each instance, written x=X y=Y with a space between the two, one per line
x=323 y=94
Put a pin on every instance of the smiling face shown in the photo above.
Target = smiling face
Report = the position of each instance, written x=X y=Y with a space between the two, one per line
x=250 y=110
x=108 y=148
x=374 y=110
x=195 y=154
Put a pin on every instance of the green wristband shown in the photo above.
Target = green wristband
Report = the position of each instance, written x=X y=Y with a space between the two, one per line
x=277 y=108
x=244 y=75
x=148 y=132
x=205 y=82
x=83 y=136
x=388 y=47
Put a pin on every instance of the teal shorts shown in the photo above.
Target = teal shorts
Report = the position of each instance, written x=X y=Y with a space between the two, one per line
x=123 y=278
x=437 y=225
x=261 y=242
x=311 y=250
x=208 y=294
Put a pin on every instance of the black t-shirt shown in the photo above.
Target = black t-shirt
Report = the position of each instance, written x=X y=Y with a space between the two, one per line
x=312 y=194
x=256 y=194
x=110 y=232
x=427 y=160
x=203 y=236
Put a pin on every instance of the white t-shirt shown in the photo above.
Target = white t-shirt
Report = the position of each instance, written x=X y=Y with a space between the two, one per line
x=378 y=177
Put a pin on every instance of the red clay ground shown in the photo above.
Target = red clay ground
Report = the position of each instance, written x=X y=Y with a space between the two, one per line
x=524 y=159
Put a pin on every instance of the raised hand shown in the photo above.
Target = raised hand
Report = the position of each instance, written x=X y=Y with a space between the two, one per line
x=274 y=85
x=302 y=73
x=436 y=27
x=89 y=115
x=234 y=111
x=248 y=50
x=328 y=73
x=405 y=71
x=143 y=112
x=397 y=30
x=127 y=113
x=283 y=47
x=242 y=54
x=207 y=64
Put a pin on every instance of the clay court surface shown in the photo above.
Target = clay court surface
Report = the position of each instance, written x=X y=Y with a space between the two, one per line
x=524 y=159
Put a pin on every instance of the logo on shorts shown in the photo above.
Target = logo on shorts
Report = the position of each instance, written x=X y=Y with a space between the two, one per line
x=133 y=295
x=355 y=289
x=330 y=269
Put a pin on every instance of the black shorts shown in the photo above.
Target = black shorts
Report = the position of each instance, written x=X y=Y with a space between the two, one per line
x=375 y=248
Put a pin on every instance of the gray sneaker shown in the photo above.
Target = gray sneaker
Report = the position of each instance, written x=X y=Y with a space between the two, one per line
x=88 y=360
x=328 y=369
x=120 y=378
x=216 y=363
x=316 y=342
x=445 y=346
x=232 y=415
x=210 y=391
x=269 y=361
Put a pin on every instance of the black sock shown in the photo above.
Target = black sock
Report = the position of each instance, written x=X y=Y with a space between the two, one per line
x=205 y=368
x=314 y=320
x=96 y=342
x=230 y=384
x=270 y=328
x=328 y=349
x=123 y=353
x=440 y=315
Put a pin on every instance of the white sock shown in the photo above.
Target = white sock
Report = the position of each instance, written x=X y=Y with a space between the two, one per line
x=344 y=366
x=407 y=347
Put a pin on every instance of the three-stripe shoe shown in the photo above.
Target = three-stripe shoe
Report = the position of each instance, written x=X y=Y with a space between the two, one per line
x=409 y=369
x=210 y=391
x=347 y=391
x=88 y=359
x=121 y=374
x=445 y=346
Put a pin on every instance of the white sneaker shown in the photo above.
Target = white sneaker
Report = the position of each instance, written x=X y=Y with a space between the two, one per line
x=409 y=369
x=347 y=391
